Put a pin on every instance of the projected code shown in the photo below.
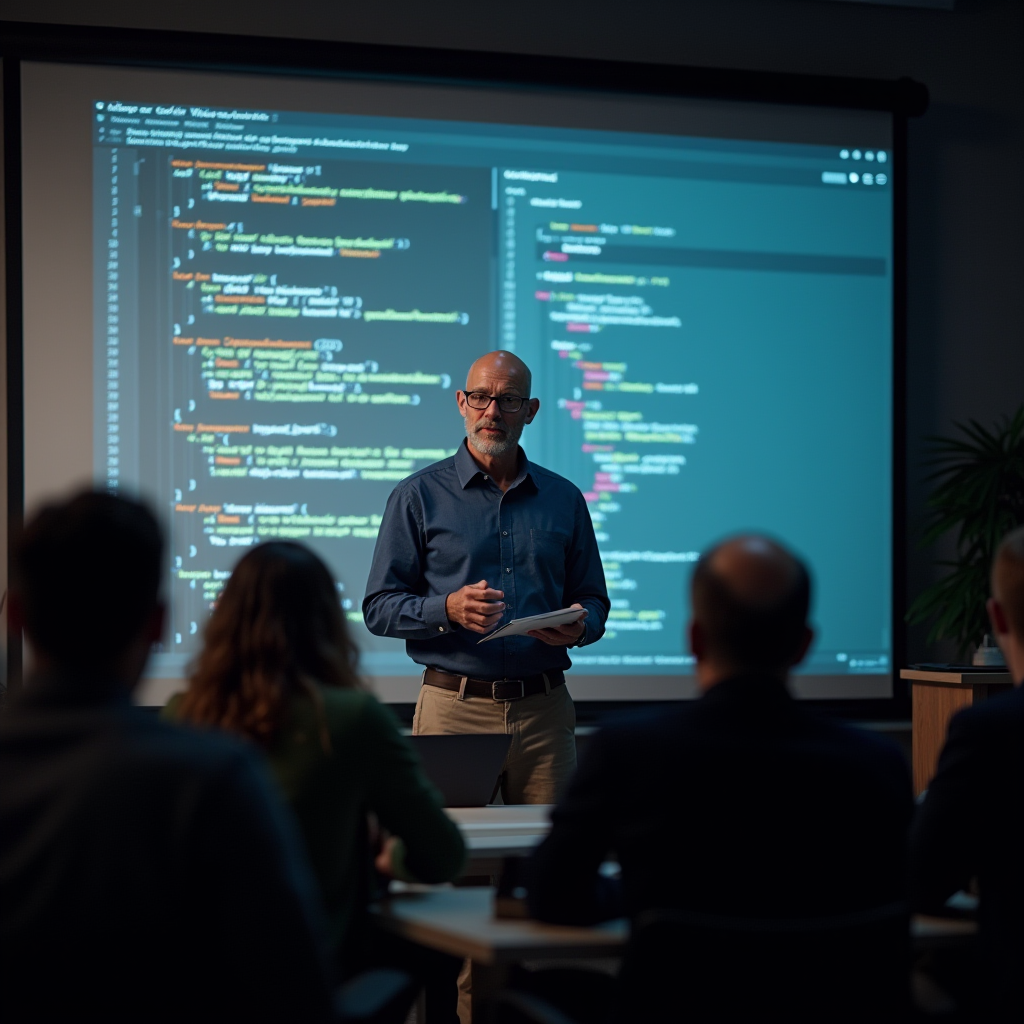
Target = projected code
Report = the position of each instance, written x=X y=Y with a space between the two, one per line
x=286 y=311
x=305 y=360
x=594 y=326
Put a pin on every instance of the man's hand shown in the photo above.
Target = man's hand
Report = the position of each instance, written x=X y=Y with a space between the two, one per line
x=563 y=636
x=476 y=607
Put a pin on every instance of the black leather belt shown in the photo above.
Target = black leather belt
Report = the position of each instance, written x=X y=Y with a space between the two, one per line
x=497 y=689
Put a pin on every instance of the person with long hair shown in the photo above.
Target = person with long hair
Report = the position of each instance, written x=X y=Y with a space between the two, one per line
x=278 y=666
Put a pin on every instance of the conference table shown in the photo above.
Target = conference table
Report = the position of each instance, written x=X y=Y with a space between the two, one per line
x=461 y=922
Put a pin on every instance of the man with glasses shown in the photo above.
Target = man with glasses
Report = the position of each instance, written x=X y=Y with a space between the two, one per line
x=468 y=544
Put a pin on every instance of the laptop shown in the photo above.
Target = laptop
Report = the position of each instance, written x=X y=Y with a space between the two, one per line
x=465 y=767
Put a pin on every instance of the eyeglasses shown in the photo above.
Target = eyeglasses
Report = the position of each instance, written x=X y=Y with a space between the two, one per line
x=480 y=400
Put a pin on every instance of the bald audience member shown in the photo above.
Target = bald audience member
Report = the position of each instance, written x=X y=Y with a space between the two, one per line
x=971 y=824
x=740 y=803
x=470 y=543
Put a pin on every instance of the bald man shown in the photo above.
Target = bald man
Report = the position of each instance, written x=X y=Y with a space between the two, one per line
x=971 y=824
x=751 y=805
x=468 y=544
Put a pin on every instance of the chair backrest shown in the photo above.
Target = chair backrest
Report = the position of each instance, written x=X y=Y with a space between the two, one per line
x=702 y=967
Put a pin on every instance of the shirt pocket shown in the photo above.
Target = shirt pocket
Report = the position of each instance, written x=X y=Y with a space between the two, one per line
x=548 y=550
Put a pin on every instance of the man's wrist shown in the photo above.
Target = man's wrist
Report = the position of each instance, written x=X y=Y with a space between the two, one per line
x=449 y=621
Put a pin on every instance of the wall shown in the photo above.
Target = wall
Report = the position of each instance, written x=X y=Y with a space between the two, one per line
x=966 y=188
x=3 y=429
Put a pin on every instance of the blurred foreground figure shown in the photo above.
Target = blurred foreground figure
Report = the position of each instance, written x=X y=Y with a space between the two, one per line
x=147 y=872
x=750 y=804
x=769 y=842
x=971 y=825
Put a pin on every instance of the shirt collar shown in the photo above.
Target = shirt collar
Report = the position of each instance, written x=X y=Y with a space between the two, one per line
x=468 y=470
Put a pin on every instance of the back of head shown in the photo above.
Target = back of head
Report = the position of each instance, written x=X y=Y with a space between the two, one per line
x=87 y=572
x=1008 y=580
x=751 y=597
x=278 y=629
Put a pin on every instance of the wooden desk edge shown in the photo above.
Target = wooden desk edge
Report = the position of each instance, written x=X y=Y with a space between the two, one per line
x=434 y=938
x=609 y=939
x=926 y=932
x=964 y=679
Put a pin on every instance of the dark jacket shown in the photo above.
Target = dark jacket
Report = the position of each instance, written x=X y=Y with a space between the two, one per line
x=147 y=872
x=740 y=803
x=971 y=825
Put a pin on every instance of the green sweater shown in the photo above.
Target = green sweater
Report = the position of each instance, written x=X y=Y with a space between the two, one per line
x=371 y=768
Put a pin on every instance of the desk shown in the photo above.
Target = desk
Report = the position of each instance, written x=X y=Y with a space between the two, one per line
x=493 y=833
x=928 y=932
x=935 y=698
x=461 y=922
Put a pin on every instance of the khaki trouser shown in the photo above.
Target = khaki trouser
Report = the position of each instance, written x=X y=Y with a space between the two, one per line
x=542 y=756
x=540 y=760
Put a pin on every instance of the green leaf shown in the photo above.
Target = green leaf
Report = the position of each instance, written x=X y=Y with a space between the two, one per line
x=977 y=495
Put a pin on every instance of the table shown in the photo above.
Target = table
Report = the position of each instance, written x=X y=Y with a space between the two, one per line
x=495 y=832
x=935 y=697
x=461 y=922
x=927 y=932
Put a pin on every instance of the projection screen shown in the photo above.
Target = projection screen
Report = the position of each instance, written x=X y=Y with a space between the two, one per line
x=251 y=299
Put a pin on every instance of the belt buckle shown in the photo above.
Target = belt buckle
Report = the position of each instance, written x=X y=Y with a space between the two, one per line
x=502 y=682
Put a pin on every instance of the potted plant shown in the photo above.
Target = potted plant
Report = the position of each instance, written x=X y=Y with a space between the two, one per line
x=979 y=493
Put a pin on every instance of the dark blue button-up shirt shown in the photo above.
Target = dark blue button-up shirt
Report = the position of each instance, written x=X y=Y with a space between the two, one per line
x=449 y=525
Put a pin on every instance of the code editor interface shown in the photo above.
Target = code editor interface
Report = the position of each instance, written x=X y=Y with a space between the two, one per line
x=286 y=304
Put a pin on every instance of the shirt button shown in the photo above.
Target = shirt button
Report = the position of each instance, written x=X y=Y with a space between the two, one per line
x=508 y=570
x=504 y=533
x=440 y=629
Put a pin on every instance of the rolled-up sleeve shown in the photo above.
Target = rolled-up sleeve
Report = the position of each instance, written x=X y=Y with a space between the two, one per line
x=396 y=602
x=584 y=575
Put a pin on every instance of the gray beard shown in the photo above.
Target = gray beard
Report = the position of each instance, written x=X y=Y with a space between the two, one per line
x=485 y=446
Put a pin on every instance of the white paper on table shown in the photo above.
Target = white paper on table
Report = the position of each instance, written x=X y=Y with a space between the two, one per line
x=544 y=621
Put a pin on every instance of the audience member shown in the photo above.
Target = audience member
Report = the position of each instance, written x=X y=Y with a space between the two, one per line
x=147 y=873
x=740 y=803
x=971 y=824
x=279 y=667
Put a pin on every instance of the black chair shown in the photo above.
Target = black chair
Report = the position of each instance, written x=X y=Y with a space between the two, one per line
x=524 y=1008
x=709 y=969
x=375 y=997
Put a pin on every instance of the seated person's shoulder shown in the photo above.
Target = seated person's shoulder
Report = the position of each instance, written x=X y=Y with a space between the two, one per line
x=646 y=732
x=990 y=729
x=173 y=734
x=136 y=754
x=352 y=706
x=861 y=759
x=169 y=740
x=854 y=739
x=1000 y=715
x=357 y=715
